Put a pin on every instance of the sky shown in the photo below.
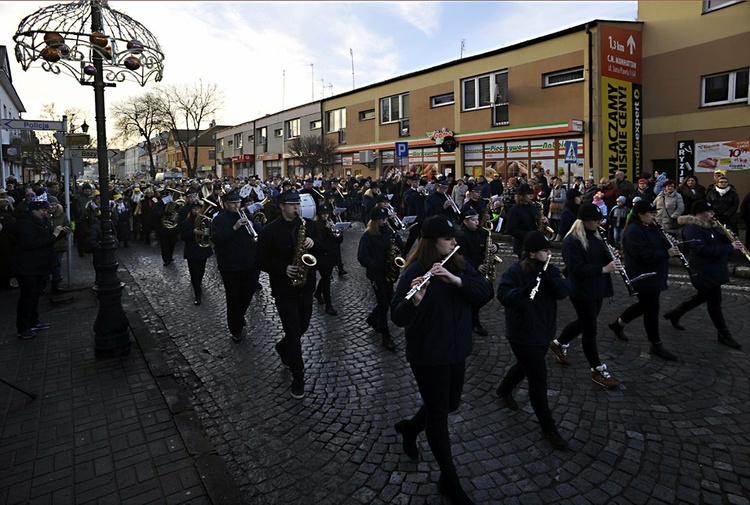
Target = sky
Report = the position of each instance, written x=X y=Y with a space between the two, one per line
x=270 y=56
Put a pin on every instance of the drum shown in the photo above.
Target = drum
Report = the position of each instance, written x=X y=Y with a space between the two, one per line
x=307 y=205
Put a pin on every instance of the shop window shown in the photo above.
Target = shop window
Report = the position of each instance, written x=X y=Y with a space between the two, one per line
x=563 y=77
x=725 y=88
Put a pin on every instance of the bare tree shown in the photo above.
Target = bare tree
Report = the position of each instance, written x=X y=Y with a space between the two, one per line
x=313 y=151
x=140 y=117
x=185 y=108
x=42 y=147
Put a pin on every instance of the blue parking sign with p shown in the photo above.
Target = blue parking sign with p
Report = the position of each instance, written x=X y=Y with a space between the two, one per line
x=571 y=151
x=402 y=149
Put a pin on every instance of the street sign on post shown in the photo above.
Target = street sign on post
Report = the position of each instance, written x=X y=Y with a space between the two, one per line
x=77 y=139
x=32 y=124
x=571 y=151
x=402 y=149
x=83 y=153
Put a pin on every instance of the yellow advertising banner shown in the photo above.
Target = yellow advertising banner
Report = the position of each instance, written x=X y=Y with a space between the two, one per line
x=621 y=127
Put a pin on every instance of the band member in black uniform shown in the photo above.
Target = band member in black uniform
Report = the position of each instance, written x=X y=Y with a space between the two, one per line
x=191 y=196
x=523 y=218
x=437 y=319
x=588 y=264
x=529 y=291
x=646 y=250
x=278 y=245
x=439 y=203
x=327 y=257
x=195 y=255
x=709 y=251
x=475 y=201
x=473 y=242
x=167 y=236
x=311 y=190
x=369 y=200
x=414 y=198
x=236 y=252
x=334 y=201
x=376 y=253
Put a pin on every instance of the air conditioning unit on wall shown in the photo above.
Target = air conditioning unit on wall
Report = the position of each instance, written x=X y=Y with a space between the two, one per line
x=367 y=156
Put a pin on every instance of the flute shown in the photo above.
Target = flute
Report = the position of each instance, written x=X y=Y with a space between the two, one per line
x=426 y=277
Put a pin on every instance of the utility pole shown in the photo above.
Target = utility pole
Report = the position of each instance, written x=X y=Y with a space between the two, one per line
x=351 y=53
x=312 y=81
x=463 y=46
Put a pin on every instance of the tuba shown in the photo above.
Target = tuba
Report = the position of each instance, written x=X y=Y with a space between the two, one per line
x=169 y=219
x=203 y=223
x=490 y=259
x=301 y=259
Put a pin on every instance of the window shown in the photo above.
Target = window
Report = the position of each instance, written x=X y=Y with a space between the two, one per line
x=335 y=120
x=724 y=88
x=278 y=133
x=251 y=138
x=261 y=135
x=712 y=5
x=221 y=144
x=393 y=108
x=230 y=143
x=563 y=77
x=211 y=154
x=238 y=141
x=365 y=115
x=489 y=90
x=441 y=100
x=292 y=128
x=316 y=125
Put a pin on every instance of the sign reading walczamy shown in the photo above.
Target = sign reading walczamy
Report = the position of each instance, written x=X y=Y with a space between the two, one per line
x=621 y=96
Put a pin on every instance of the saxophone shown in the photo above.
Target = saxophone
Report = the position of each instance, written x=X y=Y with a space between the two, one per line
x=729 y=234
x=490 y=260
x=301 y=259
x=541 y=224
x=394 y=262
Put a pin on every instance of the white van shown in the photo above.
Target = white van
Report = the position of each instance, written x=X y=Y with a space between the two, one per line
x=168 y=176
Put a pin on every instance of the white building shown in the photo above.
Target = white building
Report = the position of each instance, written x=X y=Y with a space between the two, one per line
x=10 y=108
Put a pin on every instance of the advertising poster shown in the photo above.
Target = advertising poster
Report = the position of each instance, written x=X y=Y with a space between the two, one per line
x=731 y=155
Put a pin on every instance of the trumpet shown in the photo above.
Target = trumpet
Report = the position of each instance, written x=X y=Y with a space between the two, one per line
x=426 y=277
x=335 y=233
x=453 y=205
x=248 y=225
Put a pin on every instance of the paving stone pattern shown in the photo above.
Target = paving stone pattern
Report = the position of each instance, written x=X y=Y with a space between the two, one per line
x=673 y=433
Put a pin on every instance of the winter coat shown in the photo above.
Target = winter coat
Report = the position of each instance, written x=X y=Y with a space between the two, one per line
x=192 y=251
x=531 y=322
x=669 y=206
x=32 y=254
x=584 y=267
x=438 y=330
x=646 y=251
x=7 y=239
x=709 y=256
x=235 y=249
x=373 y=253
x=59 y=218
x=725 y=206
x=329 y=247
x=691 y=195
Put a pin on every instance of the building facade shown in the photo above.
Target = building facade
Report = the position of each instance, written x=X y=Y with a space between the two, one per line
x=11 y=107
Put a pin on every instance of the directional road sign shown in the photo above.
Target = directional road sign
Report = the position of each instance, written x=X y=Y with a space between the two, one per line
x=31 y=124
x=83 y=153
x=402 y=149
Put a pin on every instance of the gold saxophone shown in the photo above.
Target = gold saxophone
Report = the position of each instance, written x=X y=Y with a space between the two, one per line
x=394 y=262
x=302 y=260
x=541 y=225
x=490 y=260
x=728 y=233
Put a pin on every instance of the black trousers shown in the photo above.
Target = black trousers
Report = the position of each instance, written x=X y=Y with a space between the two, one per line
x=587 y=312
x=648 y=307
x=167 y=242
x=383 y=295
x=324 y=284
x=27 y=310
x=440 y=388
x=239 y=287
x=712 y=298
x=197 y=269
x=295 y=314
x=530 y=364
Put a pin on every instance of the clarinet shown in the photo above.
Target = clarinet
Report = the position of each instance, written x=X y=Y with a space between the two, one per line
x=673 y=243
x=426 y=277
x=616 y=258
x=535 y=289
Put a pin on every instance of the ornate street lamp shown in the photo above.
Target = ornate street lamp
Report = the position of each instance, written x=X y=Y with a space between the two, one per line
x=115 y=48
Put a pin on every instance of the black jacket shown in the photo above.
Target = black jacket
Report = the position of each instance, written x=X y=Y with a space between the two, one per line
x=473 y=245
x=414 y=204
x=277 y=244
x=531 y=322
x=192 y=250
x=33 y=251
x=709 y=256
x=235 y=249
x=438 y=330
x=646 y=251
x=584 y=267
x=522 y=219
x=433 y=205
x=328 y=252
x=373 y=253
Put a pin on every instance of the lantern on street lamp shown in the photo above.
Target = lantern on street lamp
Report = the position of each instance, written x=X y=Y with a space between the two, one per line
x=117 y=48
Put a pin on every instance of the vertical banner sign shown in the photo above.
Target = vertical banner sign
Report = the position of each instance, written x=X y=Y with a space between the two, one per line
x=622 y=114
x=685 y=159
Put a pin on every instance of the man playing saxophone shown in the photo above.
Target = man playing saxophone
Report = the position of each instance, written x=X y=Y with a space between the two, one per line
x=235 y=256
x=284 y=245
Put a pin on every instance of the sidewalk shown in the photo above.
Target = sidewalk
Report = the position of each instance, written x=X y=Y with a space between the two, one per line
x=99 y=430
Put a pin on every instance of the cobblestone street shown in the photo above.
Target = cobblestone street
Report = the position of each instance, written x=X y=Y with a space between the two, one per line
x=673 y=432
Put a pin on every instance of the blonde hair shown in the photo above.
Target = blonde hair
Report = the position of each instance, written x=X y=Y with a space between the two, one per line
x=578 y=231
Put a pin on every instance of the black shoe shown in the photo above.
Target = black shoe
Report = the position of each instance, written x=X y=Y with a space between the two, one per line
x=507 y=399
x=342 y=273
x=674 y=318
x=451 y=489
x=281 y=355
x=330 y=310
x=555 y=439
x=319 y=297
x=727 y=339
x=237 y=337
x=659 y=350
x=298 y=388
x=619 y=330
x=197 y=301
x=479 y=330
x=409 y=440
x=371 y=321
x=388 y=342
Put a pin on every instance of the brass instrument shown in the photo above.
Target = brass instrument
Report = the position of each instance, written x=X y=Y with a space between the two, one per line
x=486 y=219
x=619 y=266
x=394 y=262
x=398 y=225
x=732 y=237
x=673 y=243
x=490 y=259
x=259 y=215
x=535 y=289
x=542 y=226
x=453 y=205
x=203 y=223
x=248 y=225
x=335 y=233
x=206 y=190
x=426 y=277
x=301 y=260
x=169 y=219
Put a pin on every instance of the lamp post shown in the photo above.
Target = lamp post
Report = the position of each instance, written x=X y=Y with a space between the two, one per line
x=117 y=48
